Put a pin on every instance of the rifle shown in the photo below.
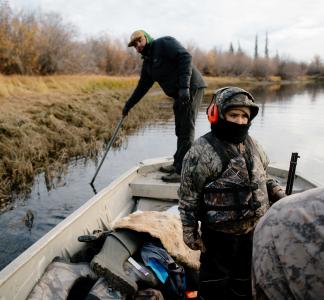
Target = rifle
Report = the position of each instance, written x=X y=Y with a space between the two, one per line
x=291 y=173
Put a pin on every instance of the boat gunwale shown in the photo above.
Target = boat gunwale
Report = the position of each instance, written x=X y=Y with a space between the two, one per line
x=280 y=170
x=35 y=249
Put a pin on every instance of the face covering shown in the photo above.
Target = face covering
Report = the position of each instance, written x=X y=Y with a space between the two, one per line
x=229 y=131
x=146 y=50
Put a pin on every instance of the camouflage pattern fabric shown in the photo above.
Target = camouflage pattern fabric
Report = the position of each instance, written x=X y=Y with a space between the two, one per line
x=201 y=165
x=149 y=294
x=101 y=291
x=58 y=279
x=230 y=197
x=288 y=249
x=234 y=96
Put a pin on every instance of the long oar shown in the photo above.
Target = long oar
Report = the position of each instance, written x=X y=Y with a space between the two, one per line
x=108 y=147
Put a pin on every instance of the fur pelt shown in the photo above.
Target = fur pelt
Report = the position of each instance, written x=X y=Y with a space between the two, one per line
x=165 y=226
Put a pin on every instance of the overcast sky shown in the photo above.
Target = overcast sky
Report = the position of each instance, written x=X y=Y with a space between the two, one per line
x=295 y=27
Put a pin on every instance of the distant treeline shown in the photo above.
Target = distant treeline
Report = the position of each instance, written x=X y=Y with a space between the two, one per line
x=32 y=44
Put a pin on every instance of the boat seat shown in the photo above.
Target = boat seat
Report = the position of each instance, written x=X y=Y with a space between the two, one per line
x=149 y=204
x=150 y=185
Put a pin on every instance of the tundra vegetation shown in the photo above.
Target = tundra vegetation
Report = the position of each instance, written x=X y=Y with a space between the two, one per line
x=47 y=121
x=60 y=98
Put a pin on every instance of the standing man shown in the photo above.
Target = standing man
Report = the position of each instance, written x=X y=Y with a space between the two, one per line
x=224 y=185
x=167 y=62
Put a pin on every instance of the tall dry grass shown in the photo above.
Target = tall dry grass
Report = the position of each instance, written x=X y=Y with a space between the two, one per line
x=47 y=121
x=16 y=85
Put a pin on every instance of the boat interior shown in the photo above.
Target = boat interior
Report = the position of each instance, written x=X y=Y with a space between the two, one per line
x=138 y=189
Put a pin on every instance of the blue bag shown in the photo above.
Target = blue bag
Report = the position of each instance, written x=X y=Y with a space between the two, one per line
x=171 y=275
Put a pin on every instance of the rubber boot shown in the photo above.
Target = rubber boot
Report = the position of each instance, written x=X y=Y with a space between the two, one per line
x=172 y=177
x=167 y=169
x=109 y=263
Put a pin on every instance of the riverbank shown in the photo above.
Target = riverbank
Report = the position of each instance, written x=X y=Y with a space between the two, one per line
x=47 y=121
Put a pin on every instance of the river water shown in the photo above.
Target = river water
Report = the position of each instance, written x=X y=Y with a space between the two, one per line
x=290 y=120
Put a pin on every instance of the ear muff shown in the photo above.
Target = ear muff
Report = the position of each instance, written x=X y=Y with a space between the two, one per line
x=212 y=109
x=212 y=113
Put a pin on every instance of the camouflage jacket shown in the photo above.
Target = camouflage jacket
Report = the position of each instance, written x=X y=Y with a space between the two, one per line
x=288 y=249
x=238 y=193
x=202 y=165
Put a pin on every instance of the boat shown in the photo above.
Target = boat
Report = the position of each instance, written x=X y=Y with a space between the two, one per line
x=140 y=188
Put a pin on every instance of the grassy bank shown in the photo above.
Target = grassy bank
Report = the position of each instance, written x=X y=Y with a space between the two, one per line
x=44 y=122
x=47 y=121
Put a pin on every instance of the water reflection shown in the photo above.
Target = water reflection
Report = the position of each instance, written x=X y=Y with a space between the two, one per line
x=290 y=120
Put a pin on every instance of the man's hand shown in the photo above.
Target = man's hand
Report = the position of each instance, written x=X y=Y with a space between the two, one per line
x=275 y=191
x=184 y=96
x=279 y=194
x=276 y=194
x=192 y=239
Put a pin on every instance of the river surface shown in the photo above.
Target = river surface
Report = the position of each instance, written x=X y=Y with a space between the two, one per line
x=289 y=120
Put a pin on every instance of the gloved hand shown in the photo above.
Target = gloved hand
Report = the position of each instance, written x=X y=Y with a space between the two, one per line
x=279 y=194
x=192 y=239
x=184 y=96
x=125 y=110
x=276 y=194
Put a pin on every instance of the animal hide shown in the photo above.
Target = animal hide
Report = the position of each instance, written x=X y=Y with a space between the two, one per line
x=165 y=226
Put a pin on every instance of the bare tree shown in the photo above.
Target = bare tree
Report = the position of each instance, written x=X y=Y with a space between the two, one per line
x=239 y=49
x=315 y=67
x=55 y=44
x=256 y=54
x=288 y=69
x=231 y=48
x=17 y=41
x=46 y=44
x=266 y=47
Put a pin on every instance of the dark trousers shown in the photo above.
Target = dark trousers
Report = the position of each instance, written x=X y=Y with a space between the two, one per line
x=225 y=271
x=185 y=120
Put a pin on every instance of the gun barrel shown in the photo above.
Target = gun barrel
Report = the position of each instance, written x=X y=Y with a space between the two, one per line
x=291 y=173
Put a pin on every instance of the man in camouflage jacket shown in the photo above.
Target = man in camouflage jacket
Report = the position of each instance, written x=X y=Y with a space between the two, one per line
x=225 y=186
x=288 y=249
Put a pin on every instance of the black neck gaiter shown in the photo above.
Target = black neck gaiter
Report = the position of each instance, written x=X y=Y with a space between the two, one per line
x=229 y=131
x=146 y=50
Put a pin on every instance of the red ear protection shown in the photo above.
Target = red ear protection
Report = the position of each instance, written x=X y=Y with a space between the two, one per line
x=212 y=113
x=212 y=109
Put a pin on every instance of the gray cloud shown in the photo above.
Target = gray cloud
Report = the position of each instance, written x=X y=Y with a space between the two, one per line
x=295 y=28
